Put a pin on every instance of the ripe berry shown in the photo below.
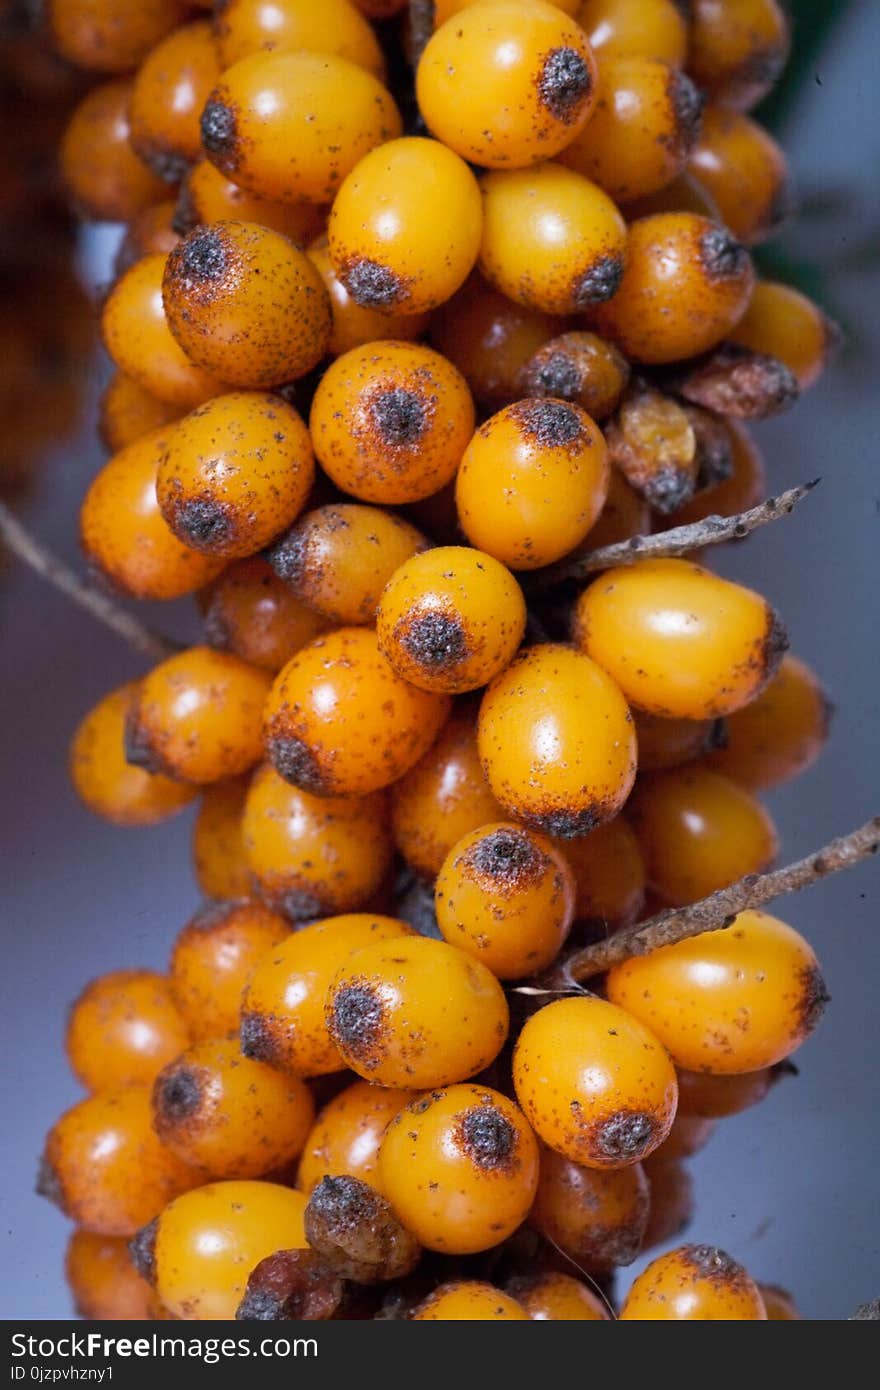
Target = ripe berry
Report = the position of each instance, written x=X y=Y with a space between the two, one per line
x=694 y=1283
x=218 y=856
x=212 y=960
x=596 y=1216
x=123 y=1029
x=249 y=612
x=469 y=1300
x=347 y=1135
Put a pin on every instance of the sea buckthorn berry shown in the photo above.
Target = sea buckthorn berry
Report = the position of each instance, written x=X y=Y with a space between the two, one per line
x=780 y=734
x=348 y=1133
x=551 y=1297
x=246 y=303
x=444 y=797
x=228 y=1115
x=552 y=240
x=110 y=35
x=380 y=9
x=236 y=472
x=490 y=339
x=779 y=1303
x=290 y=126
x=196 y=716
x=243 y=27
x=212 y=961
x=150 y=233
x=608 y=872
x=460 y=1167
x=109 y=785
x=123 y=1029
x=291 y=1284
x=665 y=743
x=206 y=195
x=556 y=741
x=137 y=337
x=672 y=1200
x=450 y=619
x=744 y=171
x=204 y=1245
x=728 y=1001
x=698 y=832
x=282 y=1008
x=596 y=1216
x=445 y=9
x=104 y=1283
x=781 y=322
x=505 y=84
x=696 y=1283
x=680 y=641
x=339 y=721
x=469 y=1300
x=505 y=896
x=532 y=482
x=390 y=422
x=744 y=488
x=250 y=612
x=127 y=412
x=594 y=1083
x=638 y=139
x=124 y=535
x=405 y=227
x=686 y=283
x=635 y=28
x=715 y=1097
x=356 y=1231
x=170 y=90
x=217 y=845
x=625 y=514
x=310 y=855
x=415 y=1013
x=735 y=381
x=337 y=559
x=652 y=442
x=104 y=1166
x=578 y=367
x=354 y=325
x=738 y=51
x=104 y=176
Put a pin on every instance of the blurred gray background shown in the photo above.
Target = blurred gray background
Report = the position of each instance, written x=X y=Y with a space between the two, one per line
x=789 y=1187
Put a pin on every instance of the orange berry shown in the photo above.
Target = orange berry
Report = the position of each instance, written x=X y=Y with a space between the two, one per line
x=744 y=171
x=415 y=1013
x=596 y=1216
x=727 y=1001
x=594 y=1083
x=244 y=302
x=641 y=28
x=170 y=89
x=532 y=482
x=737 y=52
x=206 y=195
x=686 y=284
x=554 y=1297
x=680 y=641
x=354 y=325
x=390 y=422
x=781 y=322
x=505 y=84
x=213 y=959
x=290 y=126
x=104 y=1166
x=712 y=1097
x=505 y=896
x=346 y=1137
x=698 y=832
x=243 y=27
x=625 y=514
x=780 y=734
x=196 y=716
x=230 y=1116
x=105 y=782
x=552 y=240
x=104 y=1283
x=578 y=367
x=340 y=721
x=249 y=612
x=338 y=559
x=697 y=1283
x=310 y=855
x=123 y=1028
x=217 y=846
x=469 y=1300
x=556 y=741
x=128 y=412
x=110 y=35
x=460 y=1168
x=665 y=743
x=608 y=872
x=779 y=1303
x=104 y=176
x=282 y=1008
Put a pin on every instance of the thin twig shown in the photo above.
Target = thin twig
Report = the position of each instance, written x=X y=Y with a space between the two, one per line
x=679 y=540
x=101 y=606
x=719 y=909
x=421 y=27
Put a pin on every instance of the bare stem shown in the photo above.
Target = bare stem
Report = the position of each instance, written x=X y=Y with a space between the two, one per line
x=679 y=540
x=719 y=909
x=101 y=606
